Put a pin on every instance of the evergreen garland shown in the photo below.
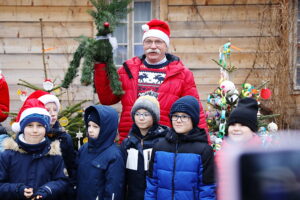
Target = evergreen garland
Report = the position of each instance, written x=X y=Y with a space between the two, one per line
x=107 y=15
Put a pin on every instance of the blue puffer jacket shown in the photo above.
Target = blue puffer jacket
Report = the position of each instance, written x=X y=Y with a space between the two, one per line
x=135 y=147
x=181 y=168
x=38 y=166
x=101 y=165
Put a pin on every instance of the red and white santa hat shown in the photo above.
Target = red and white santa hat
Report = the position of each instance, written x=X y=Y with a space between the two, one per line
x=44 y=97
x=157 y=28
x=32 y=110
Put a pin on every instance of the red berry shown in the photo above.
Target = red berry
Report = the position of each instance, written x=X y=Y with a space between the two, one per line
x=106 y=24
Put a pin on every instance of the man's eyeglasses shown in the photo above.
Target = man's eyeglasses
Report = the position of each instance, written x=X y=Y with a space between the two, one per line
x=156 y=42
x=144 y=115
x=183 y=118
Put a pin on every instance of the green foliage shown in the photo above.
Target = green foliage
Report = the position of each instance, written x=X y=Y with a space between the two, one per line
x=107 y=14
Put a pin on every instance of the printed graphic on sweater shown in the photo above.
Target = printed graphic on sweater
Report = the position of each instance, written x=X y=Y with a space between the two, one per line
x=150 y=79
x=132 y=158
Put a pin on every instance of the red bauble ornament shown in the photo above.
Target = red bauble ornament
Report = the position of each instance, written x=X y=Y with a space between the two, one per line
x=265 y=93
x=106 y=24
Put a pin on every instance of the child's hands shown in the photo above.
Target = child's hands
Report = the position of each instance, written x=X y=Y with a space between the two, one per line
x=37 y=197
x=28 y=192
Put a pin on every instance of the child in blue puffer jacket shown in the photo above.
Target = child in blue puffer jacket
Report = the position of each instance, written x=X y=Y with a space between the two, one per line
x=101 y=166
x=182 y=164
x=31 y=167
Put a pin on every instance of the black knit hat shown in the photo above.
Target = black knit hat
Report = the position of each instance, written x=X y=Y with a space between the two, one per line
x=94 y=117
x=245 y=113
x=188 y=105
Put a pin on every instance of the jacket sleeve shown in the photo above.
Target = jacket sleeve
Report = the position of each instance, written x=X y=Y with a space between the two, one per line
x=102 y=85
x=191 y=89
x=7 y=190
x=115 y=177
x=58 y=185
x=151 y=178
x=207 y=186
x=4 y=98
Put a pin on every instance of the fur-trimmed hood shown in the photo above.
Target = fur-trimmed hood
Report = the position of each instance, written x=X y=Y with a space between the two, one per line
x=11 y=144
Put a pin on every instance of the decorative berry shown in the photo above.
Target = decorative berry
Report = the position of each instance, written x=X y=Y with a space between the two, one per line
x=106 y=24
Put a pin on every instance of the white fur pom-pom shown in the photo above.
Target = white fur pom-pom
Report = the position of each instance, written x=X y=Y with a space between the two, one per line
x=15 y=127
x=145 y=27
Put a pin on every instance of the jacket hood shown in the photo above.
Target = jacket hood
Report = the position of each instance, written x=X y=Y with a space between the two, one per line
x=195 y=135
x=154 y=132
x=108 y=118
x=52 y=148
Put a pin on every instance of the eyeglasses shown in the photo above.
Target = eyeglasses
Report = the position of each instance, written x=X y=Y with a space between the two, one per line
x=156 y=42
x=183 y=118
x=144 y=115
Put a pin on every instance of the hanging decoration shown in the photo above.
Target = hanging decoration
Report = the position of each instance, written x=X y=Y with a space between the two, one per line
x=107 y=15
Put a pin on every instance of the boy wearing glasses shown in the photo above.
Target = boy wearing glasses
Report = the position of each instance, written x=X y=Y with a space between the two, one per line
x=182 y=164
x=145 y=132
x=156 y=73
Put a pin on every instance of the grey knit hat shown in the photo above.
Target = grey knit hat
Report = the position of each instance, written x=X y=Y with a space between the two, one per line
x=148 y=103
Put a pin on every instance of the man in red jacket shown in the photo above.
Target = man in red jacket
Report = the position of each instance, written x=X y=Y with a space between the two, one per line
x=4 y=98
x=155 y=73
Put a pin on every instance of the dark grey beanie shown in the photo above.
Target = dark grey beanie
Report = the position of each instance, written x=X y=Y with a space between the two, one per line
x=148 y=103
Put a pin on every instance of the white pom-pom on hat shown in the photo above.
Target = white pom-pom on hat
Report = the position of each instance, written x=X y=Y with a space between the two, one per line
x=145 y=27
x=15 y=127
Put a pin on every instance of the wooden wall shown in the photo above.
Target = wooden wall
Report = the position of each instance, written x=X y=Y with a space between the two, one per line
x=198 y=29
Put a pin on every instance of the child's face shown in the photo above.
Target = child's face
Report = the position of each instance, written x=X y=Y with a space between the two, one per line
x=53 y=111
x=34 y=132
x=239 y=133
x=182 y=123
x=143 y=119
x=93 y=130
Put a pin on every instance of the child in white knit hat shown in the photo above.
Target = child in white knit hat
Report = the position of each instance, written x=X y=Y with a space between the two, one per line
x=145 y=132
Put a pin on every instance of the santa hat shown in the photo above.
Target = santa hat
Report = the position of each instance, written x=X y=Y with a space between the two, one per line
x=32 y=110
x=45 y=97
x=4 y=98
x=157 y=28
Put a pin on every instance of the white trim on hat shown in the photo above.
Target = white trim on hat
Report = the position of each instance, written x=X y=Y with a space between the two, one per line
x=37 y=110
x=49 y=98
x=157 y=33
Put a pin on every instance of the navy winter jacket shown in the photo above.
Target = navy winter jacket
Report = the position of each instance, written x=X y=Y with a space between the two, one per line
x=135 y=146
x=68 y=154
x=101 y=165
x=181 y=168
x=38 y=166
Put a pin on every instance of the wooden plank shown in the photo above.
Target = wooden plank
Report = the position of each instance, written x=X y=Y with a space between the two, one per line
x=50 y=29
x=213 y=76
x=163 y=7
x=211 y=45
x=238 y=59
x=33 y=45
x=70 y=13
x=45 y=3
x=219 y=13
x=220 y=2
x=34 y=61
x=219 y=29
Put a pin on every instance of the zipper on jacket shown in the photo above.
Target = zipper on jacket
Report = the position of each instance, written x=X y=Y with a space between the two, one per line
x=174 y=171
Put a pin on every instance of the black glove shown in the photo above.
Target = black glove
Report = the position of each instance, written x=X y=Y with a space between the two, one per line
x=41 y=192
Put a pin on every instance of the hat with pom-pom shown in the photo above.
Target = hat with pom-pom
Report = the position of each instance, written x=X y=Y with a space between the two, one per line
x=44 y=97
x=157 y=28
x=32 y=110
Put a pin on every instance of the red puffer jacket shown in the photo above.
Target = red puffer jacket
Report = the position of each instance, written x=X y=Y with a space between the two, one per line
x=4 y=98
x=179 y=82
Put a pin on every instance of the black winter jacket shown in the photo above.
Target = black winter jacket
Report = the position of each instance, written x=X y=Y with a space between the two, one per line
x=140 y=147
